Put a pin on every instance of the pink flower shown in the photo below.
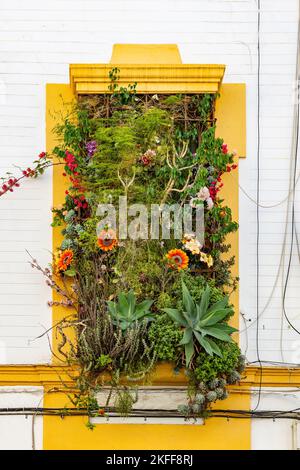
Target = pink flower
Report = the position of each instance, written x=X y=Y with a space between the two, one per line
x=147 y=157
x=210 y=203
x=203 y=194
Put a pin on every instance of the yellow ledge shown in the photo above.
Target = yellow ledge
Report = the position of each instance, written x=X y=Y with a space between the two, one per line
x=163 y=375
x=170 y=78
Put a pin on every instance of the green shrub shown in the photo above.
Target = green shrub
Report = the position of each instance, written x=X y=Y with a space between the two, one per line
x=166 y=337
x=211 y=367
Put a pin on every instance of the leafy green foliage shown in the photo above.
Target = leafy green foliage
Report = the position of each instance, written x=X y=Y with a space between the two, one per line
x=122 y=95
x=166 y=337
x=210 y=367
x=124 y=401
x=103 y=361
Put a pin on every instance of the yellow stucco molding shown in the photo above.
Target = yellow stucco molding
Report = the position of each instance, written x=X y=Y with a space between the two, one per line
x=46 y=375
x=168 y=78
x=154 y=67
x=145 y=54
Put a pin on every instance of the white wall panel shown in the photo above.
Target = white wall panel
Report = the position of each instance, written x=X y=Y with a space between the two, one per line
x=277 y=434
x=20 y=432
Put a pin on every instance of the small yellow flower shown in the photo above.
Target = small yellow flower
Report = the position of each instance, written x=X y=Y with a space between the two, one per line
x=192 y=244
x=210 y=261
x=207 y=259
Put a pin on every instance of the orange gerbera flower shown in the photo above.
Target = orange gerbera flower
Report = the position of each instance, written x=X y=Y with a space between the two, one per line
x=65 y=259
x=107 y=240
x=179 y=259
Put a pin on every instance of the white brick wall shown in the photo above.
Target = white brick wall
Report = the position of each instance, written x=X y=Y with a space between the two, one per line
x=38 y=40
x=20 y=432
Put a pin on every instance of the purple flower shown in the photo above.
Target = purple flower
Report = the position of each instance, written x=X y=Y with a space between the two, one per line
x=91 y=148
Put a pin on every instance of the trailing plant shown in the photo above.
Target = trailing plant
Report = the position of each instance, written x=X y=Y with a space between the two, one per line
x=10 y=182
x=211 y=377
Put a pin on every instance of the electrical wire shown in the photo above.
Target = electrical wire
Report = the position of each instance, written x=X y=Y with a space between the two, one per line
x=294 y=171
x=110 y=412
x=277 y=204
x=258 y=198
x=292 y=188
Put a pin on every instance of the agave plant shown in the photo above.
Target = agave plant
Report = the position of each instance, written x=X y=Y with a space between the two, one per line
x=127 y=311
x=202 y=322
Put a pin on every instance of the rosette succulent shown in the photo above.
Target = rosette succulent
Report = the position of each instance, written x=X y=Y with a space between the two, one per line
x=202 y=322
x=126 y=312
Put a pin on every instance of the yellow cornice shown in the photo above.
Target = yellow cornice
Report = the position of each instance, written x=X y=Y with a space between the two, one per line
x=52 y=375
x=164 y=78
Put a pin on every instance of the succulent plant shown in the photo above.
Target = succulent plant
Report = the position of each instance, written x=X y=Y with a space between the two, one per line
x=212 y=396
x=202 y=387
x=222 y=382
x=70 y=216
x=200 y=398
x=196 y=408
x=220 y=392
x=127 y=311
x=213 y=384
x=202 y=323
x=241 y=364
x=234 y=377
x=183 y=409
x=67 y=243
x=225 y=395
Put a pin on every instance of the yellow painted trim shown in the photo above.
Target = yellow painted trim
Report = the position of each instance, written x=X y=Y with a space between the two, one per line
x=145 y=54
x=231 y=116
x=48 y=375
x=217 y=433
x=156 y=69
x=183 y=78
x=59 y=98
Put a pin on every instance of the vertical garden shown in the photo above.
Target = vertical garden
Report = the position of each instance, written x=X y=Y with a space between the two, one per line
x=134 y=302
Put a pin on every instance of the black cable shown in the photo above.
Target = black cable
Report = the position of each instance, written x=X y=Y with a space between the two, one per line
x=257 y=206
x=110 y=413
x=296 y=143
x=292 y=364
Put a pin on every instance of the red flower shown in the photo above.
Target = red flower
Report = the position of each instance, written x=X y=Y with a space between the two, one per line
x=70 y=161
x=42 y=155
x=224 y=148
